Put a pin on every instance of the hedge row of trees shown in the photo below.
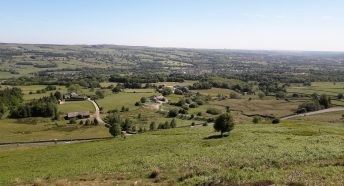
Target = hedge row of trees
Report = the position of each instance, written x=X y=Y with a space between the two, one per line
x=43 y=107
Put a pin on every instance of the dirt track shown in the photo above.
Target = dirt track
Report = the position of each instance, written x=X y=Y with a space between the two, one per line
x=334 y=109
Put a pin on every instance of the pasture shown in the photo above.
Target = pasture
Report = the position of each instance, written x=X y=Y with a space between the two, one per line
x=328 y=88
x=307 y=153
x=116 y=101
x=214 y=91
x=76 y=106
x=266 y=107
x=37 y=129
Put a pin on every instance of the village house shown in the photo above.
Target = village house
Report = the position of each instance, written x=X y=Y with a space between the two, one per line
x=75 y=97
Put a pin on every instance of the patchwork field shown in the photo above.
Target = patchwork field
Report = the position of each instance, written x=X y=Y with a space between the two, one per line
x=288 y=153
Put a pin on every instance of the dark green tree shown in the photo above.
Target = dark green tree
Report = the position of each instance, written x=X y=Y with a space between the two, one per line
x=224 y=123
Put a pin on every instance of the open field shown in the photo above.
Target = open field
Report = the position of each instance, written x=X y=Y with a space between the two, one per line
x=328 y=88
x=116 y=101
x=44 y=129
x=7 y=75
x=76 y=106
x=291 y=152
x=267 y=107
x=214 y=91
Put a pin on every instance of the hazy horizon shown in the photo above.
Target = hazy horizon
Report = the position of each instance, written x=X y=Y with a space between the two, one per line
x=266 y=25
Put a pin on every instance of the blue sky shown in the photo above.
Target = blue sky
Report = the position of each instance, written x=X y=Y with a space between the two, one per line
x=233 y=24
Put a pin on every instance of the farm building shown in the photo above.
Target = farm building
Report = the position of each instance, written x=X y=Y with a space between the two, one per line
x=75 y=97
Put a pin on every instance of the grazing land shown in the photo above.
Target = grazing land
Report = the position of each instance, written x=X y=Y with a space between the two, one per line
x=76 y=106
x=40 y=129
x=292 y=152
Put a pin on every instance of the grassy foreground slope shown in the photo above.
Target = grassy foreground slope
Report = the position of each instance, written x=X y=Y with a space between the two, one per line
x=308 y=153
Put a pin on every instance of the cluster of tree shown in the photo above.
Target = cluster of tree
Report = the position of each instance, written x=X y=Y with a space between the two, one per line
x=272 y=87
x=43 y=107
x=88 y=81
x=10 y=99
x=48 y=88
x=152 y=78
x=185 y=104
x=117 y=125
x=316 y=103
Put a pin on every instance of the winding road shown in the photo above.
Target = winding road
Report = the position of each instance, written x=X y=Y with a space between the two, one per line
x=97 y=113
x=333 y=109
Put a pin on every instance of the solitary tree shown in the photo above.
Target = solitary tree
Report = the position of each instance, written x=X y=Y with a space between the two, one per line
x=224 y=123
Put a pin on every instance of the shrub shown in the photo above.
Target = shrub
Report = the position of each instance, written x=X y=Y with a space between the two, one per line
x=178 y=92
x=152 y=126
x=234 y=95
x=155 y=173
x=95 y=121
x=183 y=111
x=87 y=122
x=173 y=113
x=213 y=111
x=275 y=121
x=143 y=100
x=72 y=121
x=166 y=91
x=256 y=119
x=261 y=95
x=193 y=105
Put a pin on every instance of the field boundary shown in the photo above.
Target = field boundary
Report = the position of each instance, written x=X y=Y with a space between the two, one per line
x=46 y=142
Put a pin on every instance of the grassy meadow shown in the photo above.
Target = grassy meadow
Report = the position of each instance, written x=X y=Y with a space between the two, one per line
x=37 y=129
x=291 y=152
x=328 y=88
x=76 y=106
